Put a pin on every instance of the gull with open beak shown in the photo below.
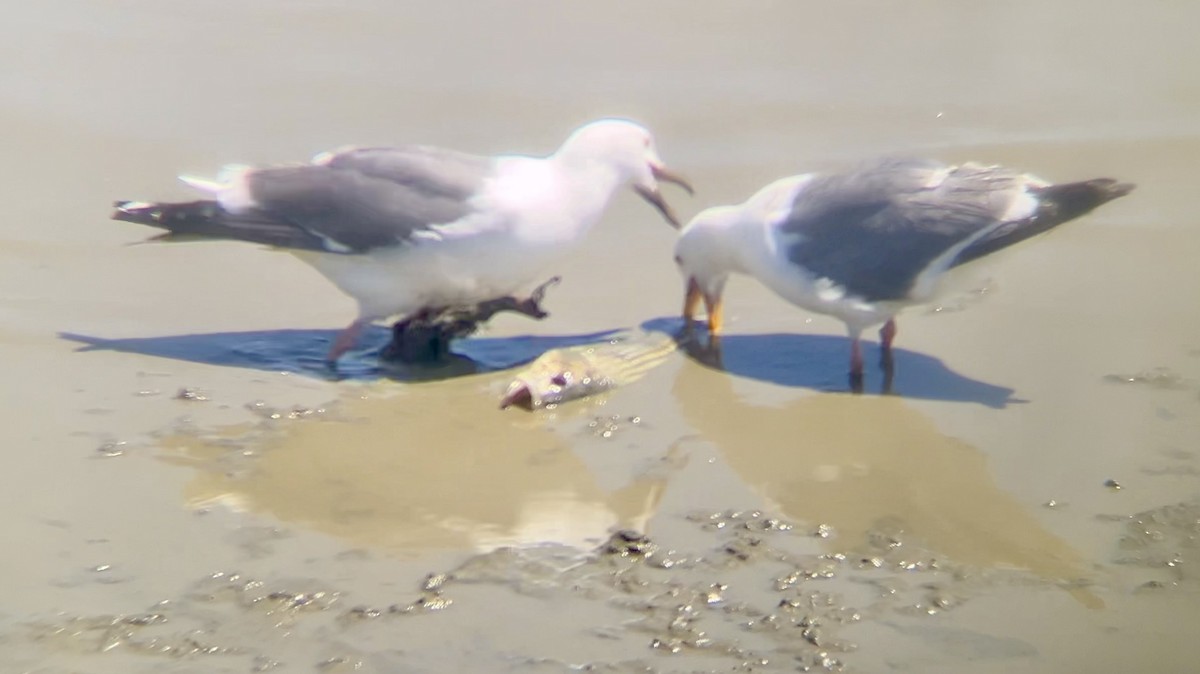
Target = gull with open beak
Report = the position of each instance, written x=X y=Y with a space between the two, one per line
x=864 y=244
x=413 y=229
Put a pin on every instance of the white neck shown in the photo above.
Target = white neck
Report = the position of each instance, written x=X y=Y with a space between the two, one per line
x=742 y=240
x=754 y=229
x=588 y=186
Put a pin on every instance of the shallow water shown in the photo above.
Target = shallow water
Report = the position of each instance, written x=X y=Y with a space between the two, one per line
x=188 y=490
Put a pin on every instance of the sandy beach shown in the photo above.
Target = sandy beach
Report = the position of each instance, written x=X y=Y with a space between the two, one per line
x=187 y=490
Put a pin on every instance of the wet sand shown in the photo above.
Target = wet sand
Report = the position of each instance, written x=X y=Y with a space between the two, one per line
x=186 y=491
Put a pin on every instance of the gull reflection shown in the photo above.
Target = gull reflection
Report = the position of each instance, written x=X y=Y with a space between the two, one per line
x=855 y=462
x=412 y=469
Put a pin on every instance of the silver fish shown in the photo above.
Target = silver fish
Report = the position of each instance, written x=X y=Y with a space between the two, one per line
x=560 y=375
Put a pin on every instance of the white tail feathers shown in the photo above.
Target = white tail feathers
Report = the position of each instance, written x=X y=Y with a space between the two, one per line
x=229 y=188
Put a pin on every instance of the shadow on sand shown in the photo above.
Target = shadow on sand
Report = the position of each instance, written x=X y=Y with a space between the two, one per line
x=819 y=362
x=796 y=360
x=303 y=352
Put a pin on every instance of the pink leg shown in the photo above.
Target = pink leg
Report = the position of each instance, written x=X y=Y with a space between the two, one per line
x=346 y=339
x=856 y=359
x=886 y=334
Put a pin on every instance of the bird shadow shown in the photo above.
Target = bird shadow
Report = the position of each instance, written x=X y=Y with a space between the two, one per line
x=302 y=352
x=818 y=362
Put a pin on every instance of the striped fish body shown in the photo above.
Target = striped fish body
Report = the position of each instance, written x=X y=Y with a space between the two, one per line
x=571 y=373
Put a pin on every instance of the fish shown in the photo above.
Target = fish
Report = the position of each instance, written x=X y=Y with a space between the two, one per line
x=571 y=373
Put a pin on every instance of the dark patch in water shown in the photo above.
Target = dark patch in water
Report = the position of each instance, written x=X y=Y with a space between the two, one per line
x=818 y=362
x=303 y=352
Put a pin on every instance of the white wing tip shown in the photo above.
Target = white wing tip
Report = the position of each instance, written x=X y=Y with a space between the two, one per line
x=203 y=184
x=325 y=158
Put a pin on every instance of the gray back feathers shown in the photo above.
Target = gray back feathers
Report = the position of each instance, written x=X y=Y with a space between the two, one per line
x=371 y=197
x=348 y=202
x=875 y=229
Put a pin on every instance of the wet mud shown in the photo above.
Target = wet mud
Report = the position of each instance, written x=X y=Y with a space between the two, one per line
x=188 y=489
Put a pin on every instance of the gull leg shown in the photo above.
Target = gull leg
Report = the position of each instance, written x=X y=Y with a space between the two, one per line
x=345 y=340
x=889 y=373
x=704 y=351
x=713 y=354
x=856 y=364
x=887 y=334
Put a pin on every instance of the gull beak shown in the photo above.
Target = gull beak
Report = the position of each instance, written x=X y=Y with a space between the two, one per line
x=661 y=174
x=654 y=196
x=713 y=306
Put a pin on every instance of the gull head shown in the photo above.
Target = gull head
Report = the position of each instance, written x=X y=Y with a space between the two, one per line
x=627 y=148
x=706 y=252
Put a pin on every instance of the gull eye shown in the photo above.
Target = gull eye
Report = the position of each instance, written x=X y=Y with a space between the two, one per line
x=679 y=260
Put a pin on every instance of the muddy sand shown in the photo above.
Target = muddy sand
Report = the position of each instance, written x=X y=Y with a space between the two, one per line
x=186 y=490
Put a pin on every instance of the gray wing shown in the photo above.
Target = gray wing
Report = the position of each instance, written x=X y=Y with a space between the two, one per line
x=874 y=230
x=365 y=198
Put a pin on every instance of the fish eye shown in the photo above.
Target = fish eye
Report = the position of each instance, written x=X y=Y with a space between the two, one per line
x=558 y=380
x=679 y=260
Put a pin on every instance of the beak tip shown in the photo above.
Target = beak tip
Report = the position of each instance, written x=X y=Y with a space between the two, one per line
x=655 y=199
x=661 y=173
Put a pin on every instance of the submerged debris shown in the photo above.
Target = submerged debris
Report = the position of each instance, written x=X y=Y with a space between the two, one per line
x=628 y=543
x=1165 y=539
x=112 y=448
x=743 y=601
x=193 y=394
x=1157 y=378
x=262 y=409
x=426 y=337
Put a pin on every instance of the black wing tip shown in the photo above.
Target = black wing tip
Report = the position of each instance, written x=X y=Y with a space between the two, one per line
x=1119 y=189
x=1111 y=188
x=167 y=215
x=1071 y=200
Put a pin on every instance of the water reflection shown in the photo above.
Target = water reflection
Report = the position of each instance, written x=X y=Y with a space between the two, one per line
x=855 y=462
x=438 y=468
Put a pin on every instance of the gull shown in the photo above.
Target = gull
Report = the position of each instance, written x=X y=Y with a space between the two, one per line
x=414 y=230
x=864 y=244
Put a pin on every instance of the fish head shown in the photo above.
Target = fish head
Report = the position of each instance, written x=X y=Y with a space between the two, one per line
x=557 y=376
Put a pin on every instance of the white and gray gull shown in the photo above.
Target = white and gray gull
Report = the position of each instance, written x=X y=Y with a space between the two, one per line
x=413 y=228
x=863 y=244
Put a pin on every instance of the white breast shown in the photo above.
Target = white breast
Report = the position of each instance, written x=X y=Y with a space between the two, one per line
x=796 y=285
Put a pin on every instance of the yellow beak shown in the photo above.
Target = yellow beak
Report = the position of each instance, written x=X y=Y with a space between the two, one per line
x=713 y=306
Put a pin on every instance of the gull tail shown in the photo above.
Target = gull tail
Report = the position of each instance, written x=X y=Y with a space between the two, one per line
x=206 y=219
x=1056 y=204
